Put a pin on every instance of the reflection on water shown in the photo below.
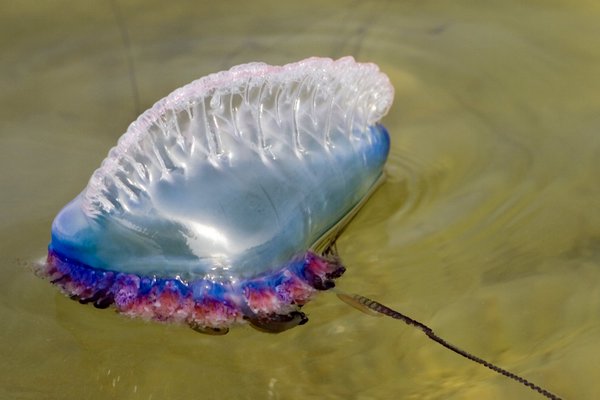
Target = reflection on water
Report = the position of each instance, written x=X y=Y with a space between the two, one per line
x=487 y=228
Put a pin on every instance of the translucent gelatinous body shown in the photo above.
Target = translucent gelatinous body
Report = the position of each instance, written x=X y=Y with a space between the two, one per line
x=228 y=180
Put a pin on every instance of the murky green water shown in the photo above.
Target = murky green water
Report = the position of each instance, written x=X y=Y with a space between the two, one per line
x=487 y=229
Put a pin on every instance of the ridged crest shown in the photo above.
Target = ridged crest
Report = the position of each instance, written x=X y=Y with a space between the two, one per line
x=270 y=110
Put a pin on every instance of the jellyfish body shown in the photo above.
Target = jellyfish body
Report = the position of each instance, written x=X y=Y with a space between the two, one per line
x=215 y=204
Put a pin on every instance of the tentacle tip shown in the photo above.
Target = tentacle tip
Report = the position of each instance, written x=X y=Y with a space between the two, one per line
x=208 y=330
x=276 y=323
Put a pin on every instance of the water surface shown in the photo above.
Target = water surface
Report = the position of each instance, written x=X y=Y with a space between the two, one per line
x=487 y=228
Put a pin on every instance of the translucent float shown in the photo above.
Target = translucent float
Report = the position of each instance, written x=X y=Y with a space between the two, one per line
x=219 y=204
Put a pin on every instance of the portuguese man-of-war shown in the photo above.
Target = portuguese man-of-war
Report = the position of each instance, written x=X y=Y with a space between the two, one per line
x=216 y=205
x=220 y=204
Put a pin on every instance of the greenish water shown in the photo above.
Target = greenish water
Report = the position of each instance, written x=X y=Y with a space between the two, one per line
x=487 y=229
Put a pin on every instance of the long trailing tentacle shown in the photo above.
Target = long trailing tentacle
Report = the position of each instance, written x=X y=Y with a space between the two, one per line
x=367 y=305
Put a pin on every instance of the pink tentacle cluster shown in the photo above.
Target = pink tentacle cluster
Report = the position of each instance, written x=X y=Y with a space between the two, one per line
x=270 y=302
